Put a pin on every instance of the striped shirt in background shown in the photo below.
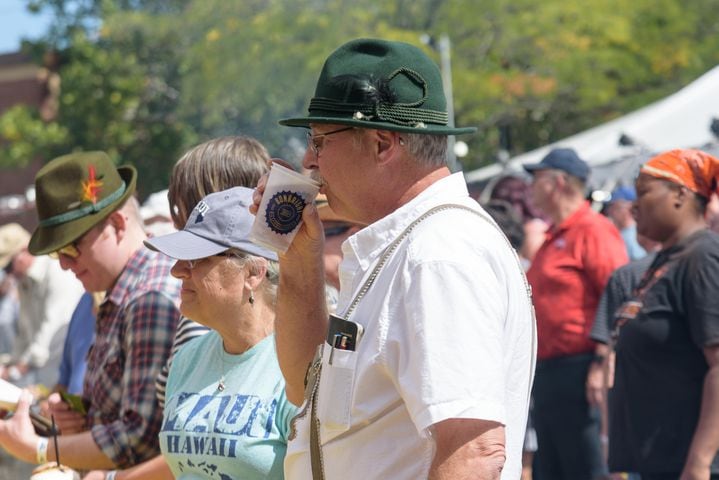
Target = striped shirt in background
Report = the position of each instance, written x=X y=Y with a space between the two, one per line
x=186 y=331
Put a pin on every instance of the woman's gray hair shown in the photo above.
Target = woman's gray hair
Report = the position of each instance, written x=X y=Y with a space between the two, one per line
x=272 y=274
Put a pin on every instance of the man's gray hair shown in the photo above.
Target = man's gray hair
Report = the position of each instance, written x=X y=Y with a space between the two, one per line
x=428 y=150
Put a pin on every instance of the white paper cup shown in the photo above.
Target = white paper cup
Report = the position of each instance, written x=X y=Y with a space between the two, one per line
x=280 y=213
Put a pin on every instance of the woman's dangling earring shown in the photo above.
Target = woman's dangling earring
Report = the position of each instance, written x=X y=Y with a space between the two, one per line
x=252 y=298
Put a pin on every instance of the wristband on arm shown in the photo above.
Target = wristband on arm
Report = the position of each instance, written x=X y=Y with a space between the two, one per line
x=41 y=451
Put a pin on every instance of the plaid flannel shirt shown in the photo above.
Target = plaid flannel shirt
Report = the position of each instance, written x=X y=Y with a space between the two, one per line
x=135 y=328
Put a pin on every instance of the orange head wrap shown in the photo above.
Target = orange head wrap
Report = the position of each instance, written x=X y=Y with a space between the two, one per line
x=694 y=169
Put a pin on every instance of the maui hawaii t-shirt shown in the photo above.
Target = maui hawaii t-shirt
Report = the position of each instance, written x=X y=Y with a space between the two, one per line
x=239 y=432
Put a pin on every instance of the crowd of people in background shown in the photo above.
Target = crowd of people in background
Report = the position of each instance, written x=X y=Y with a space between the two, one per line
x=615 y=406
x=396 y=337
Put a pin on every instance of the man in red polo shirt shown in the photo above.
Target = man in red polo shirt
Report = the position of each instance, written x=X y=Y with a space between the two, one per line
x=568 y=274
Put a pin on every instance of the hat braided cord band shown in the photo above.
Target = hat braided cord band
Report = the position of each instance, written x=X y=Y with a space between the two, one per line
x=399 y=113
x=86 y=210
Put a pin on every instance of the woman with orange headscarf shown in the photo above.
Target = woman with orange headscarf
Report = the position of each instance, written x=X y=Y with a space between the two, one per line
x=664 y=407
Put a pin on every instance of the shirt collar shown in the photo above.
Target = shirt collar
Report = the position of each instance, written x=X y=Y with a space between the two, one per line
x=573 y=219
x=120 y=289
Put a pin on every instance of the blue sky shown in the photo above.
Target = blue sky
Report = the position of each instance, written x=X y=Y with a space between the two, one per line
x=17 y=23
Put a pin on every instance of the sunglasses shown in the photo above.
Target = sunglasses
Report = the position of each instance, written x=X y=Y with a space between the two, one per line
x=228 y=253
x=71 y=250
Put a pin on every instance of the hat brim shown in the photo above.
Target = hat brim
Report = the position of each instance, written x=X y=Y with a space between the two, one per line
x=430 y=129
x=14 y=240
x=46 y=240
x=534 y=167
x=184 y=245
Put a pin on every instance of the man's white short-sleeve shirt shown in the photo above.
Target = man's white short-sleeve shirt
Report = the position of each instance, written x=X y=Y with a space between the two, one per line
x=448 y=333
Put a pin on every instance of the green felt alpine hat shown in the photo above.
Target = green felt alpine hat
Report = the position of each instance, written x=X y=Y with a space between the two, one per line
x=380 y=84
x=75 y=192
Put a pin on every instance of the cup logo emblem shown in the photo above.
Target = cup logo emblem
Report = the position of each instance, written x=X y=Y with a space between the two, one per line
x=284 y=212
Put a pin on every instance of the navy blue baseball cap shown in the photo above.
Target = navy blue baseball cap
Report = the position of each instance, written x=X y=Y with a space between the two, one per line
x=564 y=159
x=625 y=193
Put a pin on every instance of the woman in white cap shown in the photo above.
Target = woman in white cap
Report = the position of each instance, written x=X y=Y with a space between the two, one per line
x=226 y=414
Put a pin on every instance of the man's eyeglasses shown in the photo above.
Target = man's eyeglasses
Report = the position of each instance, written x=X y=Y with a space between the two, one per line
x=336 y=230
x=193 y=263
x=315 y=141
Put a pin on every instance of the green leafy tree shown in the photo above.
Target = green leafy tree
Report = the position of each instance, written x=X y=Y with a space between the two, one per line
x=546 y=70
x=252 y=63
x=116 y=95
x=24 y=133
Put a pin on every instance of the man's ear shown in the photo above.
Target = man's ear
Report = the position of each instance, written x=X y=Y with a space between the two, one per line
x=388 y=145
x=118 y=220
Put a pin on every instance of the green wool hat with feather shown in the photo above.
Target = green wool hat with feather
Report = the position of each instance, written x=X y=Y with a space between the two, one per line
x=380 y=84
x=75 y=192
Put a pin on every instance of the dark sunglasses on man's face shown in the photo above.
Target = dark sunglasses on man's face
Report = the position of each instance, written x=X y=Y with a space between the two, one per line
x=336 y=230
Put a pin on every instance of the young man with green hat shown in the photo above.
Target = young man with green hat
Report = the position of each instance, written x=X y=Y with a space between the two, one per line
x=427 y=372
x=90 y=220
